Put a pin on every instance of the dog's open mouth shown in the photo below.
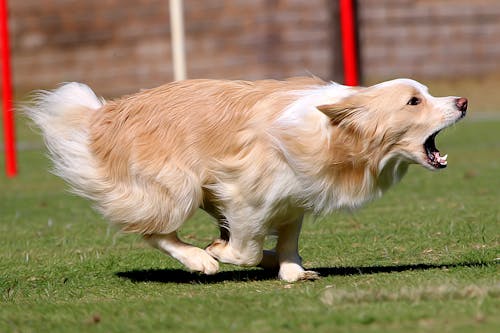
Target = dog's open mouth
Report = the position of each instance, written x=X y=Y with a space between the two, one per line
x=434 y=158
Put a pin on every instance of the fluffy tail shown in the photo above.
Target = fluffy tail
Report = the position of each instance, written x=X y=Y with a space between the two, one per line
x=63 y=116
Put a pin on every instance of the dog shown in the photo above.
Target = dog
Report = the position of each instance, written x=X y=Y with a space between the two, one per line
x=255 y=155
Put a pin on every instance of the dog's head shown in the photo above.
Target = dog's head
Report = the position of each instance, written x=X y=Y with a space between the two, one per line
x=398 y=119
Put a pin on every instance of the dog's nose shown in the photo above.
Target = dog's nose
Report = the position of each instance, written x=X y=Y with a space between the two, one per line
x=461 y=104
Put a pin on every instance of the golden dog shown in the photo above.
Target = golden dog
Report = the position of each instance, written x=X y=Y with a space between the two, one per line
x=255 y=155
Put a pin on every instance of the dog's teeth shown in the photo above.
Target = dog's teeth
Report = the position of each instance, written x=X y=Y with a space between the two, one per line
x=442 y=160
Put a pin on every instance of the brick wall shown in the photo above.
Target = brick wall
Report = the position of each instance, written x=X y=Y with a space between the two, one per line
x=120 y=46
x=429 y=38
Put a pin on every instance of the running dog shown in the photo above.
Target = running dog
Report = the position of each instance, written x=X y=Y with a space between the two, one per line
x=256 y=156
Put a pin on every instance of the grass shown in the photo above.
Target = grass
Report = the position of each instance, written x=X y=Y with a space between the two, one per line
x=423 y=258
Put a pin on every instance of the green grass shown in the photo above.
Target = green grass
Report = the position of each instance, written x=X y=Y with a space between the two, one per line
x=424 y=258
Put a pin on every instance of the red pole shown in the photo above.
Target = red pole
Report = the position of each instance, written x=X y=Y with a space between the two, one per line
x=8 y=113
x=348 y=34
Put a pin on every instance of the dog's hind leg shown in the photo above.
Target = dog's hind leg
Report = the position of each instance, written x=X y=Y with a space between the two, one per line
x=194 y=258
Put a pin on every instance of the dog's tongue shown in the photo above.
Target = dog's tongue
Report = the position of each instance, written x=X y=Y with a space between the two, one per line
x=440 y=159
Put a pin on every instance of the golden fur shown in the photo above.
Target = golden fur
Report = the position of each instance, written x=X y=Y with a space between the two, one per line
x=255 y=155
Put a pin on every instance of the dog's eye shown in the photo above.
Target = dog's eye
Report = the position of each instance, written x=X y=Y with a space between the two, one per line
x=414 y=101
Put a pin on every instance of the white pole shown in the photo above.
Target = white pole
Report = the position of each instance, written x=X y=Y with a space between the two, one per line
x=177 y=33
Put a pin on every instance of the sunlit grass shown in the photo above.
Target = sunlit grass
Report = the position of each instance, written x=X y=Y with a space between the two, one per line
x=423 y=258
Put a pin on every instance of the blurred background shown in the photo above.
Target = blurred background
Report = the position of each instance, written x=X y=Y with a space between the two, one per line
x=121 y=46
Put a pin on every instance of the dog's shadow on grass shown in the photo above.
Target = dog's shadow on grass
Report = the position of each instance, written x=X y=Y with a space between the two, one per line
x=180 y=276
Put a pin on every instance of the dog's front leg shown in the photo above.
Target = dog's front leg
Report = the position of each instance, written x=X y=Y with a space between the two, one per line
x=240 y=244
x=290 y=263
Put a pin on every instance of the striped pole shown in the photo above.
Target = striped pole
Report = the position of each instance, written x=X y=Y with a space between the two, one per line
x=8 y=113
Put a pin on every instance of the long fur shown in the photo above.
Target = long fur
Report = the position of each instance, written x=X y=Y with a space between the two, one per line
x=63 y=116
x=253 y=154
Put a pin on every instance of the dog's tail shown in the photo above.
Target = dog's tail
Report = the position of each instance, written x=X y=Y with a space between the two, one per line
x=63 y=115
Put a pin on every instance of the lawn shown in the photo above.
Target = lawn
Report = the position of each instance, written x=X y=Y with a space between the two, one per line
x=424 y=258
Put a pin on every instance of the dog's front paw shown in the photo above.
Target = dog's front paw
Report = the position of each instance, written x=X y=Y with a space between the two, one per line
x=217 y=248
x=224 y=252
x=291 y=272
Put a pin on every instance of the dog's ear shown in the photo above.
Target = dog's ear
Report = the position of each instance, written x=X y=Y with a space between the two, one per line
x=338 y=112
